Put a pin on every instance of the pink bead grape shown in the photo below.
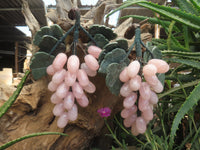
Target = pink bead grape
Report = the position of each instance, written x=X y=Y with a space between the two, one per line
x=130 y=100
x=161 y=65
x=90 y=88
x=149 y=70
x=50 y=70
x=126 y=112
x=151 y=80
x=145 y=91
x=68 y=101
x=59 y=76
x=124 y=75
x=73 y=64
x=73 y=113
x=143 y=104
x=133 y=69
x=130 y=120
x=77 y=90
x=70 y=78
x=135 y=83
x=89 y=72
x=62 y=90
x=62 y=120
x=91 y=62
x=94 y=51
x=82 y=78
x=147 y=114
x=83 y=101
x=58 y=109
x=52 y=86
x=125 y=90
x=59 y=61
x=55 y=99
x=154 y=98
x=140 y=125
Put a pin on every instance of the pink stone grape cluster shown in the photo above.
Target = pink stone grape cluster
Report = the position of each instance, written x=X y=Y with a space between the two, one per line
x=70 y=84
x=147 y=93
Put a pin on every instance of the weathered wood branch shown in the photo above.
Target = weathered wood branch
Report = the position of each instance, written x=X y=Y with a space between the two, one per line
x=30 y=20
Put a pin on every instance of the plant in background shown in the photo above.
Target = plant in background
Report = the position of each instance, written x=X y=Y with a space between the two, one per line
x=180 y=97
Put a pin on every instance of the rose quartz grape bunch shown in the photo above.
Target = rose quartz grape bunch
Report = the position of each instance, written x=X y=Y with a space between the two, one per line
x=147 y=93
x=70 y=84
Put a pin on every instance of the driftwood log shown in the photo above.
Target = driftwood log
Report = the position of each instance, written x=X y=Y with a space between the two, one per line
x=32 y=112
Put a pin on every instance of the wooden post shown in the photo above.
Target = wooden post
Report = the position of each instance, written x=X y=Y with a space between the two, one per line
x=157 y=29
x=16 y=56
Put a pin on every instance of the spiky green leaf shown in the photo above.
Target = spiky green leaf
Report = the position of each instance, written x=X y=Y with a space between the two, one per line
x=29 y=136
x=186 y=6
x=191 y=100
x=179 y=16
x=196 y=4
x=192 y=63
x=152 y=20
x=11 y=100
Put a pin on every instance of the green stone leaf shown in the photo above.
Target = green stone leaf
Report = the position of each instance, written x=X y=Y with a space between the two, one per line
x=115 y=56
x=101 y=40
x=56 y=31
x=161 y=77
x=110 y=46
x=47 y=43
x=38 y=36
x=101 y=56
x=112 y=78
x=39 y=62
x=122 y=43
x=101 y=29
x=154 y=50
x=157 y=52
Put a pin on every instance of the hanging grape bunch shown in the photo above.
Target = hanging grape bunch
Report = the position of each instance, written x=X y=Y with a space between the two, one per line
x=70 y=84
x=139 y=89
x=147 y=93
x=70 y=81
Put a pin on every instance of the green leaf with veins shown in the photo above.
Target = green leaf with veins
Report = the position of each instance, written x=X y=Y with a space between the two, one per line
x=112 y=78
x=115 y=56
x=47 y=43
x=39 y=62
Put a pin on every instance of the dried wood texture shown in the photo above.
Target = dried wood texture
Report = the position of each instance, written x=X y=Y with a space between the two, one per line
x=32 y=113
x=31 y=22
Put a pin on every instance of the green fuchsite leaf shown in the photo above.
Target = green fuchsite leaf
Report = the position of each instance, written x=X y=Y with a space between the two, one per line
x=101 y=40
x=110 y=46
x=112 y=78
x=122 y=43
x=47 y=37
x=56 y=31
x=39 y=63
x=101 y=29
x=38 y=36
x=47 y=43
x=115 y=56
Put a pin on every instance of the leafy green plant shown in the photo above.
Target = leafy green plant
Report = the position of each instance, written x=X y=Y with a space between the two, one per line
x=178 y=103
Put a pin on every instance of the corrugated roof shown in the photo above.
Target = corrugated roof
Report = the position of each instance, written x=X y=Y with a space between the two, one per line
x=10 y=12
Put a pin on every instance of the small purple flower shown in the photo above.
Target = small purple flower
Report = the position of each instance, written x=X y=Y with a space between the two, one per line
x=104 y=112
